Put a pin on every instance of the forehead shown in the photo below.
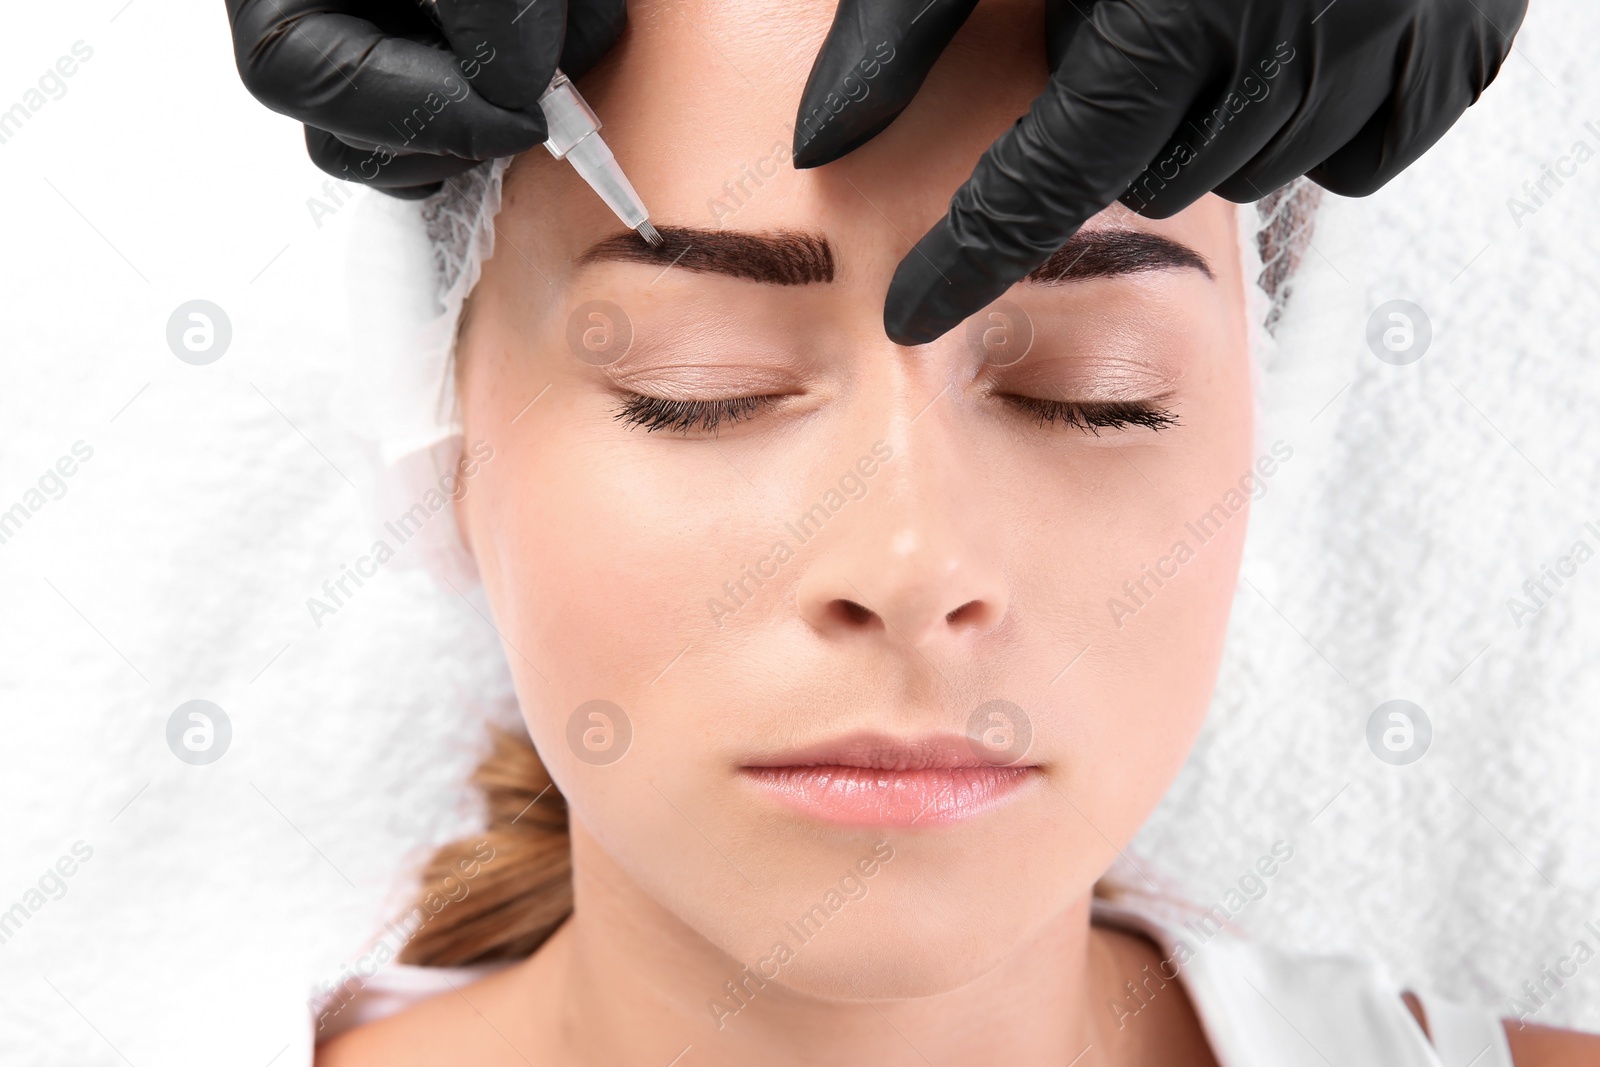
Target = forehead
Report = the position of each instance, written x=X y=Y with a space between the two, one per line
x=699 y=105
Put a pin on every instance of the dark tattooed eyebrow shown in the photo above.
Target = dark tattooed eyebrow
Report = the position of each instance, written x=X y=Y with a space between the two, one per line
x=783 y=257
x=795 y=257
x=1115 y=253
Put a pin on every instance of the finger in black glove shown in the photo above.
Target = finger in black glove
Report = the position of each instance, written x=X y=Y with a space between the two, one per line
x=1155 y=103
x=401 y=97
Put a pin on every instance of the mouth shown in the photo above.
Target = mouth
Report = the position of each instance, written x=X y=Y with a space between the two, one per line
x=884 y=781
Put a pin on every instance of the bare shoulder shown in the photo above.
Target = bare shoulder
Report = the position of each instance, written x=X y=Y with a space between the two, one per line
x=474 y=1024
x=1547 y=1046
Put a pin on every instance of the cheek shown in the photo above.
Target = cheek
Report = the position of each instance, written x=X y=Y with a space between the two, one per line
x=600 y=567
x=1155 y=584
x=601 y=552
x=592 y=563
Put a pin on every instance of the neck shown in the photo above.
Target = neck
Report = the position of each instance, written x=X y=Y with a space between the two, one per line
x=626 y=981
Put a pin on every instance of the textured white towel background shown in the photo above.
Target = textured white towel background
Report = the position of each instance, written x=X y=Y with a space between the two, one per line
x=177 y=563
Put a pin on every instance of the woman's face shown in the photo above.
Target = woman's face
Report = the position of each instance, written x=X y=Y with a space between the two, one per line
x=896 y=549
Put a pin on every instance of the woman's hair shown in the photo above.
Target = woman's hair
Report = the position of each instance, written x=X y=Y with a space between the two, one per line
x=523 y=891
x=1286 y=218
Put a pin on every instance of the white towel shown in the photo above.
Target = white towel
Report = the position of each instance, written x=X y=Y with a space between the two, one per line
x=1383 y=561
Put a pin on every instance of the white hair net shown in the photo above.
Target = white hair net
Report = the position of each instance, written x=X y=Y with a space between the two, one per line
x=406 y=409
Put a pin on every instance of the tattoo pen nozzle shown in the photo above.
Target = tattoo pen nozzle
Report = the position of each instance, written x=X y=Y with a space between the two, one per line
x=574 y=136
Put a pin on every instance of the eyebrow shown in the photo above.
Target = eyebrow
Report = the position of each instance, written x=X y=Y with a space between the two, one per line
x=783 y=257
x=793 y=257
x=1116 y=253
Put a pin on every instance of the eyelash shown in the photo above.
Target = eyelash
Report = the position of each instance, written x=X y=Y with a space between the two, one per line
x=1094 y=416
x=681 y=416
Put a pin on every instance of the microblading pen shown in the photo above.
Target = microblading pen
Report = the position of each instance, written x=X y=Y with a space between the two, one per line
x=574 y=135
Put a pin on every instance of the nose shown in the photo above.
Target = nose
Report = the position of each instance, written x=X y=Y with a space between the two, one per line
x=921 y=563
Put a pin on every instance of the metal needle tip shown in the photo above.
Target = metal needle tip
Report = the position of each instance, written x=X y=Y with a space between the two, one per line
x=649 y=233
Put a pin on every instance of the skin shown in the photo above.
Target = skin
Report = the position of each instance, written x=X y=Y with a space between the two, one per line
x=978 y=564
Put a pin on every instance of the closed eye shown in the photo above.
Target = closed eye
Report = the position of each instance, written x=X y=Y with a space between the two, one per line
x=707 y=416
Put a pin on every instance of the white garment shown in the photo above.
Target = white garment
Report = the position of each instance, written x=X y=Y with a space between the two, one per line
x=1258 y=1007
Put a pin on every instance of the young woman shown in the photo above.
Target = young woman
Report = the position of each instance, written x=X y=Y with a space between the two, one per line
x=850 y=668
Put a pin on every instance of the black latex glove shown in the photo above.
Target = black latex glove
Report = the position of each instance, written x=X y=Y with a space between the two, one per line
x=400 y=98
x=1348 y=92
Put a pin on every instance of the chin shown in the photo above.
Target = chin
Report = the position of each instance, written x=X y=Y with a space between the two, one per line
x=931 y=932
x=895 y=960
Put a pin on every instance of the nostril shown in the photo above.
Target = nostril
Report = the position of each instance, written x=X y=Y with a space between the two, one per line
x=853 y=612
x=969 y=613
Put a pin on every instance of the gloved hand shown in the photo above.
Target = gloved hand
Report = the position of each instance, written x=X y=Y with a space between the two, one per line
x=1154 y=103
x=396 y=96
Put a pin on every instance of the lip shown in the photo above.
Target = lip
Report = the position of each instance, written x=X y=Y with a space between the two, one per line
x=870 y=779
